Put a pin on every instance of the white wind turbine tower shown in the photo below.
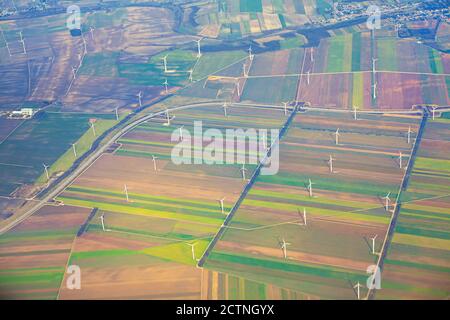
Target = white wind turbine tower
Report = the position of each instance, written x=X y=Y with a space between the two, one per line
x=102 y=219
x=304 y=216
x=330 y=163
x=166 y=86
x=310 y=188
x=84 y=44
x=6 y=42
x=284 y=245
x=168 y=118
x=74 y=149
x=165 y=63
x=264 y=140
x=117 y=113
x=74 y=72
x=93 y=128
x=154 y=163
x=374 y=69
x=358 y=287
x=192 y=245
x=199 y=50
x=374 y=86
x=400 y=158
x=180 y=129
x=243 y=170
x=222 y=208
x=126 y=192
x=355 y=110
x=191 y=79
x=250 y=54
x=312 y=54
x=409 y=134
x=373 y=244
x=433 y=111
x=46 y=171
x=387 y=201
x=91 y=29
x=285 y=107
x=225 y=105
x=139 y=95
x=308 y=75
x=23 y=42
x=337 y=135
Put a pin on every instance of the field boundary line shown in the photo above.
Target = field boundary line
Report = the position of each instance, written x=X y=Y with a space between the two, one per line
x=403 y=187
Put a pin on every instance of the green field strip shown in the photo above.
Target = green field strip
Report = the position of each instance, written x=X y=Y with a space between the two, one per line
x=358 y=91
x=141 y=154
x=82 y=255
x=181 y=209
x=423 y=232
x=436 y=64
x=427 y=209
x=356 y=50
x=431 y=164
x=178 y=252
x=157 y=199
x=46 y=279
x=298 y=197
x=321 y=271
x=211 y=63
x=340 y=54
x=130 y=209
x=82 y=146
x=34 y=252
x=437 y=174
x=420 y=241
x=330 y=184
x=387 y=54
x=430 y=292
x=38 y=236
x=417 y=265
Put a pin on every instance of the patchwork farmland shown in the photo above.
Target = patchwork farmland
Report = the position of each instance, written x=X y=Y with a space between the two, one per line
x=330 y=254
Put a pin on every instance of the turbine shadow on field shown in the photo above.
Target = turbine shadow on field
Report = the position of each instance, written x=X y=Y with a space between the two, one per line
x=366 y=240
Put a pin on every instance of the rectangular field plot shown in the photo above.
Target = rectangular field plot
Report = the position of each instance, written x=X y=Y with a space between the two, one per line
x=33 y=255
x=329 y=252
x=166 y=210
x=417 y=265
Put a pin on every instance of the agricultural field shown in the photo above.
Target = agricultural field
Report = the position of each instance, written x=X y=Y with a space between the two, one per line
x=417 y=264
x=43 y=140
x=167 y=209
x=328 y=255
x=34 y=255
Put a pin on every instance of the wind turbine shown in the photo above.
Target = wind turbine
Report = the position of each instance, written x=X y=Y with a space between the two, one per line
x=225 y=105
x=168 y=118
x=337 y=134
x=374 y=86
x=250 y=54
x=330 y=163
x=126 y=192
x=310 y=189
x=264 y=140
x=6 y=42
x=285 y=108
x=93 y=128
x=355 y=110
x=221 y=201
x=46 y=171
x=74 y=72
x=374 y=69
x=91 y=29
x=117 y=113
x=165 y=86
x=23 y=42
x=74 y=149
x=400 y=158
x=373 y=244
x=154 y=163
x=304 y=216
x=284 y=245
x=199 y=54
x=139 y=95
x=191 y=79
x=308 y=74
x=180 y=129
x=165 y=63
x=409 y=134
x=312 y=54
x=387 y=201
x=433 y=111
x=243 y=170
x=102 y=219
x=358 y=287
x=192 y=245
